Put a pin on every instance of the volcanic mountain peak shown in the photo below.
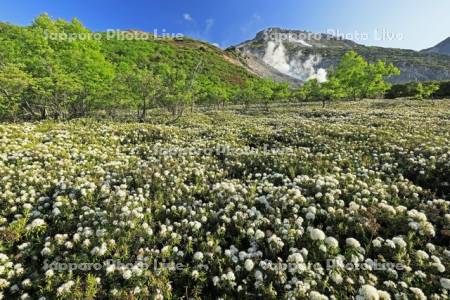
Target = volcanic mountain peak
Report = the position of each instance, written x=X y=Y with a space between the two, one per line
x=301 y=55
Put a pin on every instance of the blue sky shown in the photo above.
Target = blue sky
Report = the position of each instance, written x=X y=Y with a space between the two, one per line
x=412 y=24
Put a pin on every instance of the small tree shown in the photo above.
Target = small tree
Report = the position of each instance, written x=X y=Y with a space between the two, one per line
x=311 y=90
x=280 y=91
x=13 y=83
x=361 y=79
x=264 y=92
x=298 y=95
x=331 y=90
x=351 y=73
x=177 y=90
x=146 y=86
x=248 y=93
x=376 y=85
x=217 y=94
x=425 y=91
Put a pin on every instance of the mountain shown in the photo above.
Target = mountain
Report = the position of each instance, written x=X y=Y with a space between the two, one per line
x=303 y=55
x=441 y=48
x=206 y=60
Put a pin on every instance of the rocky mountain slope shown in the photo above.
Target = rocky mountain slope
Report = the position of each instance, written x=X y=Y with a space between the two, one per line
x=441 y=48
x=302 y=55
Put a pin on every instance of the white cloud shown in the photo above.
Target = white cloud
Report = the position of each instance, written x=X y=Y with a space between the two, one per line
x=256 y=17
x=209 y=25
x=187 y=17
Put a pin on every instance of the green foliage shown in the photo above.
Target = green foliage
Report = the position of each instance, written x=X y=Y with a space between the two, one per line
x=354 y=78
x=264 y=92
x=361 y=79
x=352 y=74
x=145 y=86
x=248 y=92
x=311 y=90
x=281 y=91
x=68 y=77
x=43 y=77
x=176 y=89
x=45 y=74
x=424 y=91
x=410 y=90
x=13 y=83
x=375 y=83
x=332 y=90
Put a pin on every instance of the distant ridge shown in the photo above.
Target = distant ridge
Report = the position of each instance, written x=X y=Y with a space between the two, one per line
x=441 y=48
x=303 y=55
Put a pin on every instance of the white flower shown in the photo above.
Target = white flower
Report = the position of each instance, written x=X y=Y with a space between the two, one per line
x=445 y=283
x=351 y=242
x=3 y=258
x=259 y=234
x=399 y=242
x=195 y=274
x=422 y=254
x=198 y=256
x=65 y=288
x=368 y=292
x=313 y=295
x=259 y=275
x=249 y=264
x=230 y=276
x=377 y=243
x=430 y=247
x=295 y=258
x=390 y=244
x=26 y=282
x=337 y=278
x=56 y=211
x=440 y=267
x=331 y=242
x=317 y=234
x=215 y=280
x=4 y=283
x=110 y=268
x=276 y=240
x=46 y=251
x=127 y=274
x=49 y=273
x=384 y=295
x=37 y=223
x=136 y=290
x=418 y=293
x=310 y=216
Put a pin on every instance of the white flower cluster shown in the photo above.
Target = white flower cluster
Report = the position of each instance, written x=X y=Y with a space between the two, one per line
x=357 y=209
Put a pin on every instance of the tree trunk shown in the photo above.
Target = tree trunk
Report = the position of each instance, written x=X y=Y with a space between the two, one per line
x=43 y=113
x=144 y=110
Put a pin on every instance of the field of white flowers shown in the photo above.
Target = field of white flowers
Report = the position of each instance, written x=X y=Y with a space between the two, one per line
x=346 y=202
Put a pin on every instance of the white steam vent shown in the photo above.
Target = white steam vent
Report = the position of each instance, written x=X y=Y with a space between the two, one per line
x=275 y=56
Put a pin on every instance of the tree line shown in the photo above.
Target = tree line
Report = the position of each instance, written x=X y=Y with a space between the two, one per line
x=420 y=90
x=42 y=78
